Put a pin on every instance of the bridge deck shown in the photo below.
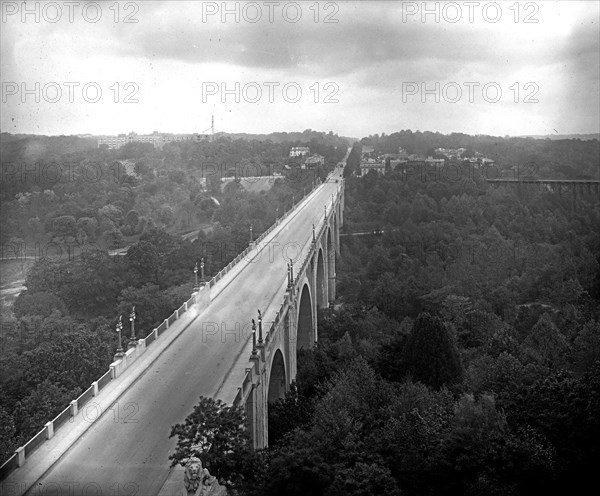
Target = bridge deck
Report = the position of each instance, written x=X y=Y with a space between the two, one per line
x=114 y=452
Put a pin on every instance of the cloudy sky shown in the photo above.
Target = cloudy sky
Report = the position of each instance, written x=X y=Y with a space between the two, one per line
x=355 y=68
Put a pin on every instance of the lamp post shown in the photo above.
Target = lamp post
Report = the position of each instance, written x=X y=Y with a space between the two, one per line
x=202 y=270
x=260 y=336
x=132 y=340
x=254 y=352
x=119 y=328
x=196 y=286
x=250 y=232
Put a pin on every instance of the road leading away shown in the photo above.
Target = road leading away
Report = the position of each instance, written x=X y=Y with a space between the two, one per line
x=125 y=451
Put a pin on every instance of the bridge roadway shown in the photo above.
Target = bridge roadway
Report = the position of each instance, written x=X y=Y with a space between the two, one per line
x=131 y=458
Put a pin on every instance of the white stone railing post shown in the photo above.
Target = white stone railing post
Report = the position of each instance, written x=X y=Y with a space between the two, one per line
x=20 y=456
x=49 y=430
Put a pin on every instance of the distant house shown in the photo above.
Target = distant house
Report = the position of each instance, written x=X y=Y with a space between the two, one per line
x=451 y=153
x=435 y=162
x=372 y=164
x=402 y=154
x=299 y=151
x=313 y=162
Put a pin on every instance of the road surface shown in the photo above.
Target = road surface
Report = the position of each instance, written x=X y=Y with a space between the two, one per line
x=125 y=452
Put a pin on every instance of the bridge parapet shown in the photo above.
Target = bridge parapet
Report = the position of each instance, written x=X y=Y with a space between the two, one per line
x=198 y=301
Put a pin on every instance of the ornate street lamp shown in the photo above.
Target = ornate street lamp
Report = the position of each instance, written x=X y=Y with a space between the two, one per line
x=260 y=336
x=132 y=340
x=119 y=328
x=254 y=352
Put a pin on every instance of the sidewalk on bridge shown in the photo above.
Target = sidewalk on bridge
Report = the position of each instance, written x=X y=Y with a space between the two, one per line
x=51 y=450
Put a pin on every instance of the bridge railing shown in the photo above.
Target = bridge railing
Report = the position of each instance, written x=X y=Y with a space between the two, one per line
x=115 y=370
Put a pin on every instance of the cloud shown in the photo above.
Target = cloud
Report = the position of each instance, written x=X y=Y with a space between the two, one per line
x=368 y=53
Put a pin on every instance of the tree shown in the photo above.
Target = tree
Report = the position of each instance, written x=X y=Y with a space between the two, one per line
x=43 y=403
x=7 y=435
x=587 y=346
x=64 y=228
x=71 y=360
x=42 y=304
x=151 y=304
x=287 y=414
x=216 y=434
x=166 y=215
x=431 y=355
x=132 y=218
x=113 y=239
x=144 y=259
x=546 y=343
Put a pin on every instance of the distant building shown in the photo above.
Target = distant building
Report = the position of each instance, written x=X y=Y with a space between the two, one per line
x=436 y=162
x=396 y=163
x=313 y=161
x=299 y=151
x=158 y=140
x=451 y=153
x=402 y=154
x=372 y=164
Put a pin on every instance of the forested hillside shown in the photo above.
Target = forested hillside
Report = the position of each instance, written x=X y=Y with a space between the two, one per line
x=464 y=357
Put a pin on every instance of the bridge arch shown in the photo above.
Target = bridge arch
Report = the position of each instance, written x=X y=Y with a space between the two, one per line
x=277 y=378
x=306 y=331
